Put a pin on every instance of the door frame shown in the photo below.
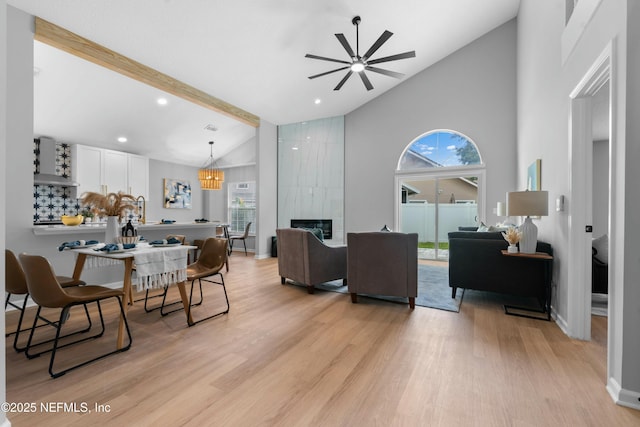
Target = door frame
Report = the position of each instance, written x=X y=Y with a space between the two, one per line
x=581 y=191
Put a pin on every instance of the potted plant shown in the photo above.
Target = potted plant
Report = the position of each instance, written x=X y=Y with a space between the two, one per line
x=512 y=236
x=114 y=206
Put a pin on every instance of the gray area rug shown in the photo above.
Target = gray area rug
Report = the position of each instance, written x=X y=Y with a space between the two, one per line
x=433 y=289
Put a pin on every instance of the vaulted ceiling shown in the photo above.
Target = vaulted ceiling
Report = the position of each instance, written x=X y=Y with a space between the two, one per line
x=248 y=53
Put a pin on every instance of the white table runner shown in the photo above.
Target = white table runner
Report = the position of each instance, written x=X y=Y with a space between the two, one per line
x=156 y=267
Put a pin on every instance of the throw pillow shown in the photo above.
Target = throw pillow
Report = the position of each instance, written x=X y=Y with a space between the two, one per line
x=601 y=245
x=483 y=228
x=316 y=232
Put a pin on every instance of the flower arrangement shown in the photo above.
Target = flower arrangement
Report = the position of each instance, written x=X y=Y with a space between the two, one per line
x=512 y=235
x=113 y=204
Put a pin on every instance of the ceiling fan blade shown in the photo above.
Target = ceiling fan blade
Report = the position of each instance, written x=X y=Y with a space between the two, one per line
x=405 y=55
x=344 y=79
x=345 y=44
x=365 y=80
x=383 y=38
x=385 y=72
x=328 y=72
x=308 y=55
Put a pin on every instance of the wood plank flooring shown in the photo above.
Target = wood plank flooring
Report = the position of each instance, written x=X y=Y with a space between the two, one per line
x=282 y=357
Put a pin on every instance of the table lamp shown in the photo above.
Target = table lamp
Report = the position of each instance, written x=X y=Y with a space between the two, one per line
x=528 y=204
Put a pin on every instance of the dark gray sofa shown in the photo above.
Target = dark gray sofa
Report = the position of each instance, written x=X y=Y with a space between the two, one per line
x=476 y=262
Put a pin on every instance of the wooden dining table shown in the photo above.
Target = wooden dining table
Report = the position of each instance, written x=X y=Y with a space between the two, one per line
x=129 y=258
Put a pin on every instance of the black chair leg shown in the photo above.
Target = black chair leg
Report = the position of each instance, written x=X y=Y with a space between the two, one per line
x=47 y=323
x=102 y=356
x=213 y=315
x=58 y=326
x=165 y=313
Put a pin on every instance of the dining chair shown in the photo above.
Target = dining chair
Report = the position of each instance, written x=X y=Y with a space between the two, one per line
x=16 y=284
x=242 y=237
x=209 y=264
x=46 y=291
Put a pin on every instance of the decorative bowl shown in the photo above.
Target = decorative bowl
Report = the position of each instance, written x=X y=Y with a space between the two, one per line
x=128 y=239
x=72 y=220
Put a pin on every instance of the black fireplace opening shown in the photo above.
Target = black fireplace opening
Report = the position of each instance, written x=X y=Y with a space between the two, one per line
x=326 y=225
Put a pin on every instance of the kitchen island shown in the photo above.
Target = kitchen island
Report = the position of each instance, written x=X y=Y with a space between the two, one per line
x=150 y=231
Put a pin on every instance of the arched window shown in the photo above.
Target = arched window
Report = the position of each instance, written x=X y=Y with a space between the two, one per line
x=440 y=148
x=439 y=188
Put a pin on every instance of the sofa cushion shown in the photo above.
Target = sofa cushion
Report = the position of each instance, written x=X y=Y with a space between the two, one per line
x=601 y=245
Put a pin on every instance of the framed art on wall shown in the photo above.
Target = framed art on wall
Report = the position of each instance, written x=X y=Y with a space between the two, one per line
x=177 y=194
x=533 y=176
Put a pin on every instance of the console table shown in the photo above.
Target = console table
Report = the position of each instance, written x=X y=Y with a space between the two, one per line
x=546 y=261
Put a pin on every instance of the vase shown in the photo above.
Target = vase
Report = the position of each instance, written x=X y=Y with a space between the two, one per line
x=512 y=249
x=113 y=228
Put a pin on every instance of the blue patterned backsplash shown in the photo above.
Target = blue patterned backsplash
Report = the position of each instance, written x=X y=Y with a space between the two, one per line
x=50 y=202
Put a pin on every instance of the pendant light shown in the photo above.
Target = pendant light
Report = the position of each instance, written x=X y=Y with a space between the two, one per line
x=210 y=177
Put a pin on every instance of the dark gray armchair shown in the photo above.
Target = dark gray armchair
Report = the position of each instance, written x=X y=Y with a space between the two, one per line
x=383 y=263
x=303 y=258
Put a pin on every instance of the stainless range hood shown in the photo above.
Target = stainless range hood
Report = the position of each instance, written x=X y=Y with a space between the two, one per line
x=47 y=175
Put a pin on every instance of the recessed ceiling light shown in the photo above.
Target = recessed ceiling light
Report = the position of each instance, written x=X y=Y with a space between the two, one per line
x=122 y=139
x=294 y=147
x=317 y=101
x=162 y=101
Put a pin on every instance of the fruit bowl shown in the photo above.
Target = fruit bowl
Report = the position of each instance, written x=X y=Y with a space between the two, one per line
x=72 y=220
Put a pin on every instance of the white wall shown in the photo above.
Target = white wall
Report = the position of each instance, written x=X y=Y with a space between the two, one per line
x=3 y=146
x=472 y=91
x=548 y=72
x=600 y=188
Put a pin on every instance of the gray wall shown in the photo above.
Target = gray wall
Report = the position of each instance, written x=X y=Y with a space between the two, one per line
x=267 y=197
x=156 y=211
x=464 y=92
x=552 y=60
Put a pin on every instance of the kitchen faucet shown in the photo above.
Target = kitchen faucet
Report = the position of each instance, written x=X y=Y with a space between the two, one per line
x=143 y=218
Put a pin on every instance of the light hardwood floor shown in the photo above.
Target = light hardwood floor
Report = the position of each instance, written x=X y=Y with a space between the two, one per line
x=284 y=357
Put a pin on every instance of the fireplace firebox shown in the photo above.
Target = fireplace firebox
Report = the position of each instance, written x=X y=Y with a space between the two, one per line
x=326 y=225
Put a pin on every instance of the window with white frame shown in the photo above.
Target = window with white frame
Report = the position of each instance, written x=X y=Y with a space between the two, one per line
x=241 y=206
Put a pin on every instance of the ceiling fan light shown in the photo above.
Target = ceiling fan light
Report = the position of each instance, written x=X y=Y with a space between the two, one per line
x=357 y=67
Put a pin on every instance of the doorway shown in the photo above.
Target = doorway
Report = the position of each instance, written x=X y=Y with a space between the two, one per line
x=600 y=202
x=583 y=100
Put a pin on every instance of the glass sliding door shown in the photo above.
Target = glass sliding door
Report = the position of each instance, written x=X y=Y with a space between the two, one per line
x=433 y=206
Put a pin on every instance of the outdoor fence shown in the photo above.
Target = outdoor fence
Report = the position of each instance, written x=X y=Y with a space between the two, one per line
x=421 y=218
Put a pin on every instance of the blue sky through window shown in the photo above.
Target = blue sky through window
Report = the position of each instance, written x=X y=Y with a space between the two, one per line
x=443 y=148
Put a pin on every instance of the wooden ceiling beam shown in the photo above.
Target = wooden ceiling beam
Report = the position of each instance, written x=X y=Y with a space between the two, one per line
x=51 y=34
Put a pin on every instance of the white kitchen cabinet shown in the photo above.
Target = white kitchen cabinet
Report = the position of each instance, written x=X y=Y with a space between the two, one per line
x=86 y=168
x=114 y=175
x=138 y=173
x=108 y=171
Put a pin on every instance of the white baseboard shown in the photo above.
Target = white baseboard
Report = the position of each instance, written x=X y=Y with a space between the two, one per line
x=622 y=397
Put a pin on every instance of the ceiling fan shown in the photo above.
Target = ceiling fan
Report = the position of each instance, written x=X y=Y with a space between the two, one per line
x=359 y=64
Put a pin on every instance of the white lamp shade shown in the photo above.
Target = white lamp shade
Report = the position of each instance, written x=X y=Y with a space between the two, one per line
x=528 y=203
x=500 y=209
